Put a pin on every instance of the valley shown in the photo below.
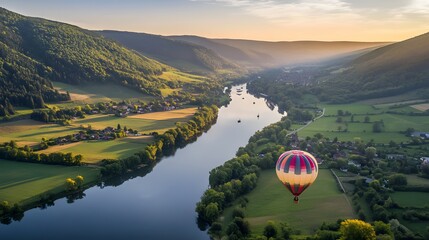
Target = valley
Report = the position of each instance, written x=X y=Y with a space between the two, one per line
x=180 y=117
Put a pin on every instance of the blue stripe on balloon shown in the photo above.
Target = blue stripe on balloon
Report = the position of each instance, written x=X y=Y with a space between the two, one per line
x=307 y=164
x=288 y=160
x=298 y=165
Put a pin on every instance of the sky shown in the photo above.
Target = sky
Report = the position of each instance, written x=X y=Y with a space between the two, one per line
x=271 y=20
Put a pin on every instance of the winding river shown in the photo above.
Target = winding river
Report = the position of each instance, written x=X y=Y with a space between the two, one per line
x=159 y=205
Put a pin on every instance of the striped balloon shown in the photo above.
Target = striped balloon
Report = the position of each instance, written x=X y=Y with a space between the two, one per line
x=297 y=170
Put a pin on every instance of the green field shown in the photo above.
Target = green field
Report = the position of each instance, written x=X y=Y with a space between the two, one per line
x=94 y=93
x=99 y=121
x=94 y=151
x=25 y=182
x=394 y=124
x=411 y=199
x=30 y=132
x=270 y=200
x=182 y=77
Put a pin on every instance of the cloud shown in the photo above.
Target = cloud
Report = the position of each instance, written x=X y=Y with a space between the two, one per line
x=329 y=11
x=417 y=6
x=287 y=11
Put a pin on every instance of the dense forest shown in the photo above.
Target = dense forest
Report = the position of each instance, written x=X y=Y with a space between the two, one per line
x=34 y=52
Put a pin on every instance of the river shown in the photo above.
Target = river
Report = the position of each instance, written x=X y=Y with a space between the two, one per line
x=161 y=204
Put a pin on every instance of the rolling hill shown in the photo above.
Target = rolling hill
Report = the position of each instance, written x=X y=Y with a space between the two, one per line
x=34 y=52
x=386 y=71
x=275 y=54
x=185 y=56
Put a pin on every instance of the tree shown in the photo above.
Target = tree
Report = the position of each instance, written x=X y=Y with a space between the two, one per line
x=382 y=228
x=79 y=181
x=3 y=111
x=357 y=230
x=270 y=230
x=425 y=169
x=378 y=126
x=340 y=112
x=242 y=225
x=71 y=184
x=211 y=212
x=367 y=119
x=285 y=231
x=216 y=229
x=119 y=126
x=238 y=212
x=370 y=153
x=398 y=180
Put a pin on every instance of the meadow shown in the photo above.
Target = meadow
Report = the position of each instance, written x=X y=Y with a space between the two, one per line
x=30 y=132
x=270 y=200
x=94 y=93
x=394 y=124
x=411 y=199
x=94 y=151
x=26 y=182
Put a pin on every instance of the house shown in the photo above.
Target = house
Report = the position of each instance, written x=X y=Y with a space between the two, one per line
x=352 y=163
x=368 y=180
x=425 y=160
x=422 y=135
x=395 y=156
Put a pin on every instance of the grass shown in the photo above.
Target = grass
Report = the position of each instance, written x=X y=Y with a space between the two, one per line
x=411 y=199
x=180 y=113
x=395 y=124
x=414 y=180
x=30 y=132
x=355 y=108
x=322 y=202
x=137 y=122
x=94 y=93
x=182 y=77
x=25 y=182
x=94 y=151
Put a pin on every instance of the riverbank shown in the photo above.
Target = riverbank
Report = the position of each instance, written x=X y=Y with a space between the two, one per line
x=31 y=185
x=164 y=196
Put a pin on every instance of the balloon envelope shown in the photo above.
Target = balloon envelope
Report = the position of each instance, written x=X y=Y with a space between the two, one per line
x=297 y=170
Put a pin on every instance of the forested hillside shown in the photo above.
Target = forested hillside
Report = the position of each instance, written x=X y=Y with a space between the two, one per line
x=182 y=55
x=34 y=52
x=390 y=70
x=275 y=54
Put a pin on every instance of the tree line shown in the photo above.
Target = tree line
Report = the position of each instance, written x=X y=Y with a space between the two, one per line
x=11 y=151
x=239 y=175
x=165 y=143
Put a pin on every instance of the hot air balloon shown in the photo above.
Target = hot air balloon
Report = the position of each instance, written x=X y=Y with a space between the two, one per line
x=297 y=170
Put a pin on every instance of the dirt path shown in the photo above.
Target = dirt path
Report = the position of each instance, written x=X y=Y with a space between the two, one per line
x=306 y=125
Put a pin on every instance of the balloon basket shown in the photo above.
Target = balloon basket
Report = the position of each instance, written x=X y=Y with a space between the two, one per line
x=296 y=200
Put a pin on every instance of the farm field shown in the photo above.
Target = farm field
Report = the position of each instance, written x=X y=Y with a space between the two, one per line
x=414 y=180
x=23 y=182
x=394 y=124
x=270 y=200
x=94 y=93
x=182 y=77
x=411 y=199
x=30 y=132
x=94 y=151
x=155 y=122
